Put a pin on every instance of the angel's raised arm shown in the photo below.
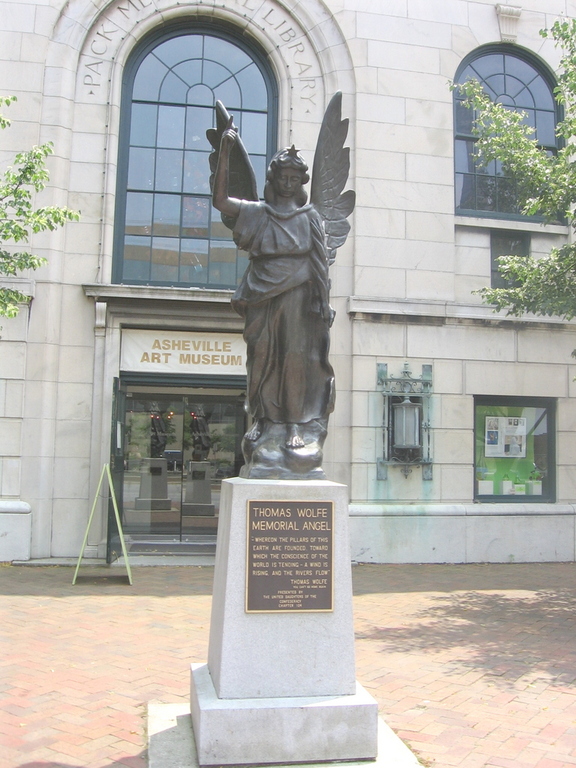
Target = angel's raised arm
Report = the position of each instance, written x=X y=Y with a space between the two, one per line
x=230 y=206
x=232 y=178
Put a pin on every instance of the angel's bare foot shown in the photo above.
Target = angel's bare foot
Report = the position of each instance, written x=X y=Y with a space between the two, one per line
x=254 y=433
x=294 y=438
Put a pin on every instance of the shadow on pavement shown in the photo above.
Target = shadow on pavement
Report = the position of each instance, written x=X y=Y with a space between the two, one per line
x=510 y=635
x=382 y=579
x=138 y=761
x=154 y=581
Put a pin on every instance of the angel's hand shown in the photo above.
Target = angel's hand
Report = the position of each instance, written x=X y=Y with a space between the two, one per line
x=229 y=136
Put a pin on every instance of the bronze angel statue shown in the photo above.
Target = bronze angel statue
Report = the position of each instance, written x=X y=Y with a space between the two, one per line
x=284 y=294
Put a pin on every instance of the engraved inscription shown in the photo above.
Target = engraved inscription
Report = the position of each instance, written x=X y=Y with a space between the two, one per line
x=296 y=50
x=289 y=556
x=284 y=32
x=109 y=32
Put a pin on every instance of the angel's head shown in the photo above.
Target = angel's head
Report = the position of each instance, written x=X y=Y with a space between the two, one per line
x=286 y=175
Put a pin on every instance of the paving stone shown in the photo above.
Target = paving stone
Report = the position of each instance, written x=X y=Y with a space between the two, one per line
x=474 y=666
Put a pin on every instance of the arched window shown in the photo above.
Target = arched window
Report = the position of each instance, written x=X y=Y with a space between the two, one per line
x=167 y=232
x=511 y=77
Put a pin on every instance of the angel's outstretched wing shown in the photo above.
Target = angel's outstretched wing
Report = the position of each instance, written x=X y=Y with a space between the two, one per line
x=329 y=177
x=241 y=178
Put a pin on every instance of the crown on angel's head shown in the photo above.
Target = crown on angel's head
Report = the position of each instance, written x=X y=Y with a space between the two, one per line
x=293 y=152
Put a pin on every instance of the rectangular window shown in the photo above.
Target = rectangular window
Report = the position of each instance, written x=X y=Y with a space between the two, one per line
x=506 y=243
x=514 y=449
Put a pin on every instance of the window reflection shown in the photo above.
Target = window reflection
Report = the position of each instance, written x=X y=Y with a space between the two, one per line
x=166 y=215
x=141 y=168
x=195 y=215
x=143 y=125
x=197 y=173
x=171 y=127
x=138 y=213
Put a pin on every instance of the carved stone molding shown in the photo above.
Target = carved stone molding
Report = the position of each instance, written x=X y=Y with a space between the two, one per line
x=508 y=16
x=100 y=318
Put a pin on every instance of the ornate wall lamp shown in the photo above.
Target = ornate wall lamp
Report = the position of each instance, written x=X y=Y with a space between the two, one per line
x=406 y=421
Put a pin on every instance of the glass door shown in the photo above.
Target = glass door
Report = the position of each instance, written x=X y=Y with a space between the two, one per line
x=178 y=447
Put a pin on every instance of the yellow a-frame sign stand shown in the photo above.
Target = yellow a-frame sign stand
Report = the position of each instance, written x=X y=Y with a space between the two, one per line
x=105 y=472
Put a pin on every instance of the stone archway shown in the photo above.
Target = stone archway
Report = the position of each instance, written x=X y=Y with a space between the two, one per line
x=84 y=67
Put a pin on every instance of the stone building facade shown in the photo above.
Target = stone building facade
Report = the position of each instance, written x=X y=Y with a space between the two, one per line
x=454 y=426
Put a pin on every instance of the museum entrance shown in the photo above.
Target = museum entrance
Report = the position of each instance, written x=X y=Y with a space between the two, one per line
x=174 y=446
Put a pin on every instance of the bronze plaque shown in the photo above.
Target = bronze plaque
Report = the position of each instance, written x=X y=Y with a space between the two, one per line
x=289 y=556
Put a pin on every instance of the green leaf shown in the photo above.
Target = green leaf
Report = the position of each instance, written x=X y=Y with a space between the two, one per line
x=10 y=300
x=545 y=184
x=19 y=218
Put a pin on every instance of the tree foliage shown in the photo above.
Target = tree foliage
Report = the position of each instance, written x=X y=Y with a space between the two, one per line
x=19 y=218
x=546 y=186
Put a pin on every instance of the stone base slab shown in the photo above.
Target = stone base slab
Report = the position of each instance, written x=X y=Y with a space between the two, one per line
x=15 y=530
x=280 y=730
x=194 y=510
x=154 y=504
x=171 y=743
x=463 y=533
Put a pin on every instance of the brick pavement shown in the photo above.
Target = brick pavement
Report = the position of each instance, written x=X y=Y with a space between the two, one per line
x=472 y=665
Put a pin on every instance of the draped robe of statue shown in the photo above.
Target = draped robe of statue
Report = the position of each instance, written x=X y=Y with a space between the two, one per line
x=283 y=298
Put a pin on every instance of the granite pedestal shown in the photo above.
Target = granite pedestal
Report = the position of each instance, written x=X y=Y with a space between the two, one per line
x=198 y=498
x=153 y=485
x=279 y=686
x=171 y=743
x=15 y=530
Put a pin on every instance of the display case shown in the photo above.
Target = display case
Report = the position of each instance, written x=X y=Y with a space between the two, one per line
x=514 y=449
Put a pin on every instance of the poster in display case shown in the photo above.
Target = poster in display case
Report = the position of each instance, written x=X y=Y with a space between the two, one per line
x=505 y=436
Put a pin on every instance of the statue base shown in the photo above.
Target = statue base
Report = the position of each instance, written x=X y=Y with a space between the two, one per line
x=284 y=451
x=297 y=729
x=281 y=650
x=171 y=743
